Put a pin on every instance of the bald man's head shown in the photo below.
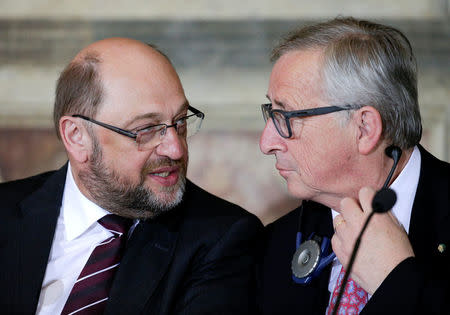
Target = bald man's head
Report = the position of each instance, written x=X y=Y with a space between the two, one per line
x=81 y=86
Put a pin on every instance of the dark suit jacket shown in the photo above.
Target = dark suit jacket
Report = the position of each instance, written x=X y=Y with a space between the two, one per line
x=419 y=285
x=196 y=259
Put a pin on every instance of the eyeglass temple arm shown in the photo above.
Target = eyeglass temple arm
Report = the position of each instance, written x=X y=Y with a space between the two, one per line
x=196 y=111
x=113 y=128
x=319 y=111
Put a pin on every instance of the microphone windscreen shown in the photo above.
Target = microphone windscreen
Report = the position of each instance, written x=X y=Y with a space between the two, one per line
x=384 y=200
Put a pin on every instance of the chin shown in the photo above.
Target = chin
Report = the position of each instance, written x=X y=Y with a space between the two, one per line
x=295 y=191
x=168 y=199
x=170 y=195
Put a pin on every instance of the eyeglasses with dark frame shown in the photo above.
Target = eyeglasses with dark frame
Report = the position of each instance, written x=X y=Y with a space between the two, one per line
x=281 y=118
x=146 y=137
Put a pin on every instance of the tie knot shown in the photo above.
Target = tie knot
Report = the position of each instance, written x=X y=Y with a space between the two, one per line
x=116 y=223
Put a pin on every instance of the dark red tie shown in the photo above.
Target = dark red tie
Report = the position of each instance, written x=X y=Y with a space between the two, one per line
x=91 y=291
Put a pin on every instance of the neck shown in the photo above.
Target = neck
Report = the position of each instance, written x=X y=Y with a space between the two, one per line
x=374 y=175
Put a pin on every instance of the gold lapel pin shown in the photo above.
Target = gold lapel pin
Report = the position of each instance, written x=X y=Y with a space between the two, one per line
x=441 y=248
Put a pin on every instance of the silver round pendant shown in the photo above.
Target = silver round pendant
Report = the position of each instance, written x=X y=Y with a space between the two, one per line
x=305 y=259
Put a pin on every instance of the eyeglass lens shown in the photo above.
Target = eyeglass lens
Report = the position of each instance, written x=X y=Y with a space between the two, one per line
x=186 y=127
x=278 y=120
x=281 y=124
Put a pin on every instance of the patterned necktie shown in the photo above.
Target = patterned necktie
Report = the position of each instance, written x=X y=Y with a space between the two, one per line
x=91 y=291
x=353 y=300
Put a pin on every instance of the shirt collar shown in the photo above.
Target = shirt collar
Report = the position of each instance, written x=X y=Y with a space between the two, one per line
x=405 y=186
x=78 y=213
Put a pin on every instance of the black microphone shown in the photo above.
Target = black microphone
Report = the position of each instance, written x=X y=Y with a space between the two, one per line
x=383 y=201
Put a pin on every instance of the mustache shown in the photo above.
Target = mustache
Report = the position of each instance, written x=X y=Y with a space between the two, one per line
x=163 y=162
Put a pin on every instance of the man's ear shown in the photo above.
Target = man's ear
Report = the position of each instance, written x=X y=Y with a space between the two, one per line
x=370 y=128
x=75 y=138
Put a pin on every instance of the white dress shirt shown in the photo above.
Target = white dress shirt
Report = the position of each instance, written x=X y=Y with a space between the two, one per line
x=405 y=186
x=77 y=234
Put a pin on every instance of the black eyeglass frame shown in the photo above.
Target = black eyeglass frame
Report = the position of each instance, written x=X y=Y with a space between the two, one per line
x=134 y=135
x=267 y=108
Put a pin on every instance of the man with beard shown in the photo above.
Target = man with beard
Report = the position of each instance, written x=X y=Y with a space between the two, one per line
x=119 y=229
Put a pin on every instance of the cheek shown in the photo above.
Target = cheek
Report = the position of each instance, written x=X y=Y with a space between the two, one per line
x=128 y=163
x=320 y=155
x=306 y=154
x=185 y=149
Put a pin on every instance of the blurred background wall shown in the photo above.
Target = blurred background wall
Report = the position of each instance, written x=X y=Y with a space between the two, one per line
x=220 y=49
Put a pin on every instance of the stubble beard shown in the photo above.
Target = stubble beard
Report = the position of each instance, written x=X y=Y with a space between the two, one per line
x=119 y=195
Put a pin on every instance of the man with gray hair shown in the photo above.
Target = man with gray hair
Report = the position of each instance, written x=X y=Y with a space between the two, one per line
x=343 y=121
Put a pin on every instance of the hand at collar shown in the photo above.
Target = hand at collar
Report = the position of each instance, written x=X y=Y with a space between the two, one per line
x=383 y=246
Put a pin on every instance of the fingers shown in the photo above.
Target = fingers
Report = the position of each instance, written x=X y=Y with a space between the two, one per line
x=366 y=195
x=350 y=210
x=395 y=220
x=338 y=220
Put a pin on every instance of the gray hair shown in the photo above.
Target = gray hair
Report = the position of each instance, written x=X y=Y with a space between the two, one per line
x=366 y=63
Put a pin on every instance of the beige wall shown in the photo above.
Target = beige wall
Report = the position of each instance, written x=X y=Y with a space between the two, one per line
x=217 y=9
x=228 y=81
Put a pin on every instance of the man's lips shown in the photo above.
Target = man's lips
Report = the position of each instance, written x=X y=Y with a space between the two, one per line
x=166 y=176
x=283 y=171
x=280 y=168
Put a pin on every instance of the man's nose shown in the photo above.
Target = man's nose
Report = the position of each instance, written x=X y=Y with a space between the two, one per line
x=270 y=141
x=172 y=145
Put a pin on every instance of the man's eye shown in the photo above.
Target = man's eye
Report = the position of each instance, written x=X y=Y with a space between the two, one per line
x=181 y=121
x=150 y=128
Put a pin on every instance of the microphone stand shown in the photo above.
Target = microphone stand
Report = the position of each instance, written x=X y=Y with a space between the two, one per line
x=350 y=264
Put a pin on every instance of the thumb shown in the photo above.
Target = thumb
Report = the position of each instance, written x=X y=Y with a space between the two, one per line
x=366 y=195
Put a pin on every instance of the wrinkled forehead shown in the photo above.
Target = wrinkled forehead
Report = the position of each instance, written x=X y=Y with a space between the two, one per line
x=295 y=80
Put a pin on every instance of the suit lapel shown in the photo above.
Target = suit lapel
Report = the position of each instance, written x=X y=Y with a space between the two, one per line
x=430 y=213
x=39 y=216
x=317 y=219
x=147 y=258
